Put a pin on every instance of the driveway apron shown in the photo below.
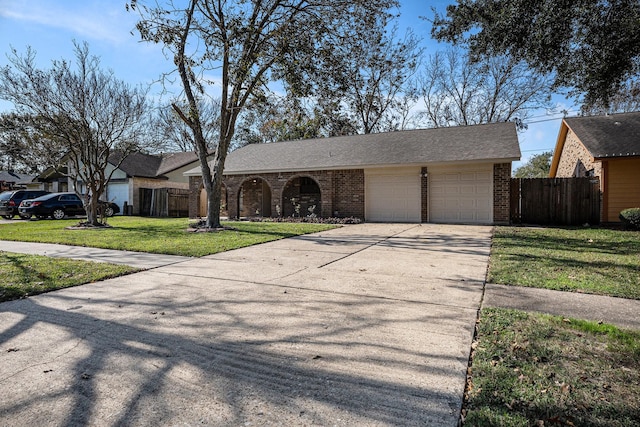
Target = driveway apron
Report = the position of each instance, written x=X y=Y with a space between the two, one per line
x=361 y=325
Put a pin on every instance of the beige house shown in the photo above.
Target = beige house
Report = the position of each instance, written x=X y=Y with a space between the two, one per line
x=607 y=147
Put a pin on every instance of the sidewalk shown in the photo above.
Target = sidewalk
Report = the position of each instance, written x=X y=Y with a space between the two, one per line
x=621 y=312
x=140 y=260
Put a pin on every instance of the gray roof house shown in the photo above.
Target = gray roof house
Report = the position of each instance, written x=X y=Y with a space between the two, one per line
x=450 y=175
x=138 y=174
x=607 y=147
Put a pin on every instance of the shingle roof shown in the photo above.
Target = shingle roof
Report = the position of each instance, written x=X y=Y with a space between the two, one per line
x=152 y=165
x=18 y=178
x=615 y=135
x=489 y=142
x=173 y=161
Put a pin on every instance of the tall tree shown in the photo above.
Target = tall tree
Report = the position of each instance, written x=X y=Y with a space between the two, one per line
x=23 y=145
x=376 y=66
x=86 y=111
x=590 y=46
x=538 y=166
x=458 y=92
x=625 y=100
x=249 y=43
x=174 y=132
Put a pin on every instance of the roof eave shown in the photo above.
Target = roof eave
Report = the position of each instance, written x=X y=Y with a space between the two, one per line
x=198 y=172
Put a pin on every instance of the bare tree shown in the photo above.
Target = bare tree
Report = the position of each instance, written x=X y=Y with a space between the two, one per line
x=376 y=66
x=87 y=112
x=458 y=92
x=174 y=133
x=249 y=43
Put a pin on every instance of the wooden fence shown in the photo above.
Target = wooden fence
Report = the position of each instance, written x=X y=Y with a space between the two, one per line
x=164 y=202
x=555 y=201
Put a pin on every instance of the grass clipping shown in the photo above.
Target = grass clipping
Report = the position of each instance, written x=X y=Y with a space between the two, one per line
x=539 y=370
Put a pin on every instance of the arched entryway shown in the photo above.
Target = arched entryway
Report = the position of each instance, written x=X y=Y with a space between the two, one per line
x=202 y=207
x=301 y=197
x=254 y=198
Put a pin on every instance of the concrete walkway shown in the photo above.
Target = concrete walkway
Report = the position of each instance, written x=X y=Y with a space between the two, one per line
x=140 y=260
x=361 y=325
x=621 y=312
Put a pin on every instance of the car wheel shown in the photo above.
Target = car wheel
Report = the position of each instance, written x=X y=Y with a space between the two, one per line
x=57 y=214
x=27 y=216
x=108 y=211
x=7 y=216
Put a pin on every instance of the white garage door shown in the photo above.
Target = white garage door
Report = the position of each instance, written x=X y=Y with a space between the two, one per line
x=392 y=195
x=118 y=193
x=461 y=194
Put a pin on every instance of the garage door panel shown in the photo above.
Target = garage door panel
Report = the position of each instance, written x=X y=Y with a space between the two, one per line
x=393 y=195
x=461 y=194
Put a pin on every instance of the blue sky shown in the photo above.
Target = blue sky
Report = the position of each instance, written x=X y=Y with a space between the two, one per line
x=50 y=26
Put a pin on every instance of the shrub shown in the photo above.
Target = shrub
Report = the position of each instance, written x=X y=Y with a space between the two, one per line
x=630 y=218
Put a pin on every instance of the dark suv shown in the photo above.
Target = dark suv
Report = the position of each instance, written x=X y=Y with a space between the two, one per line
x=10 y=200
x=59 y=205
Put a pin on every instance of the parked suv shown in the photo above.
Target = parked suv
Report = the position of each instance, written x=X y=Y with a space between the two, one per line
x=10 y=200
x=59 y=205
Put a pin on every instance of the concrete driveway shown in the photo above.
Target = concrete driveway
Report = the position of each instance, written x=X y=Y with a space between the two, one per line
x=362 y=325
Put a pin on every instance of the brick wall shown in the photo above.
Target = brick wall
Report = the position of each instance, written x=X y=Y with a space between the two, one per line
x=341 y=193
x=348 y=194
x=501 y=193
x=575 y=160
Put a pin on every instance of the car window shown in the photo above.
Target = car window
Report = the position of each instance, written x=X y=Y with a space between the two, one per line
x=69 y=198
x=6 y=195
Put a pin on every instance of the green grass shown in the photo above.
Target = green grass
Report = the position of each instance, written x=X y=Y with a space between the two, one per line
x=532 y=369
x=598 y=261
x=156 y=235
x=24 y=275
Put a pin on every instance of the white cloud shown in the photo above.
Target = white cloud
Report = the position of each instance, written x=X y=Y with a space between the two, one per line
x=86 y=19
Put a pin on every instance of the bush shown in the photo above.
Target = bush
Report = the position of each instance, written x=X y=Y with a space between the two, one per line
x=630 y=218
x=309 y=219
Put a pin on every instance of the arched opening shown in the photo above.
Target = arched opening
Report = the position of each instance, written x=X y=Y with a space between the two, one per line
x=254 y=198
x=301 y=197
x=202 y=207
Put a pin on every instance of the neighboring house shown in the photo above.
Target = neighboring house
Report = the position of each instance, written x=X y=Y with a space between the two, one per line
x=455 y=175
x=10 y=180
x=137 y=175
x=607 y=147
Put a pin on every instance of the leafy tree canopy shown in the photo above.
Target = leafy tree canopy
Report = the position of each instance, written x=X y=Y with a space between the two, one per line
x=592 y=47
x=538 y=166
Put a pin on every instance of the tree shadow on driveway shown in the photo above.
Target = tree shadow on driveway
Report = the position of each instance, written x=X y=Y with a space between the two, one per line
x=143 y=358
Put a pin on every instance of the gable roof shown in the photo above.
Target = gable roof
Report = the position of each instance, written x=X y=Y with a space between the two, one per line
x=615 y=135
x=152 y=165
x=489 y=142
x=17 y=178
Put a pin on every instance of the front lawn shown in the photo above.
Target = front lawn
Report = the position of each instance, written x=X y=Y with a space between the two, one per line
x=156 y=235
x=540 y=370
x=24 y=275
x=591 y=260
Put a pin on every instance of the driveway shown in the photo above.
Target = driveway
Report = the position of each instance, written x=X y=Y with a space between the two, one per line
x=361 y=325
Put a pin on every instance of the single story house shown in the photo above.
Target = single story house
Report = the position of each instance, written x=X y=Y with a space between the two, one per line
x=450 y=175
x=10 y=180
x=134 y=179
x=607 y=147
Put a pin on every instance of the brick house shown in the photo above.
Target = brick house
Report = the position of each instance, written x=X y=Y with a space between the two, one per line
x=607 y=147
x=457 y=175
